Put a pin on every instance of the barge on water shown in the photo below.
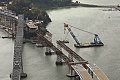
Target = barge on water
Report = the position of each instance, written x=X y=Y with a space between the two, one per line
x=82 y=45
x=97 y=41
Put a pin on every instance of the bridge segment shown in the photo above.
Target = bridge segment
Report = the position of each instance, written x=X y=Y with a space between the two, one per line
x=82 y=72
x=76 y=56
x=68 y=60
x=57 y=51
x=97 y=72
x=83 y=68
x=17 y=72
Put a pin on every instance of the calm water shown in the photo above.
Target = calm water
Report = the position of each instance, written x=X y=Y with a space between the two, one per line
x=38 y=66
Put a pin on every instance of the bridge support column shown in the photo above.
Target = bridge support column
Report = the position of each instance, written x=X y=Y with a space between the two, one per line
x=23 y=75
x=59 y=59
x=48 y=51
x=71 y=72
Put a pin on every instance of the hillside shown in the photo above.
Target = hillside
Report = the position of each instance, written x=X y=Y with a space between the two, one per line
x=34 y=9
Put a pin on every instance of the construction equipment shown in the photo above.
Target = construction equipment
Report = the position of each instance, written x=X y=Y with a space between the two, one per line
x=97 y=41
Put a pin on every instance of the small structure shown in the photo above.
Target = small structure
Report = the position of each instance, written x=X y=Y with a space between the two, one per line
x=31 y=27
x=30 y=31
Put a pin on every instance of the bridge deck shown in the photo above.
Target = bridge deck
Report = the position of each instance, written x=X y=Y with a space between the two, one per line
x=58 y=52
x=70 y=51
x=97 y=71
x=82 y=72
x=18 y=48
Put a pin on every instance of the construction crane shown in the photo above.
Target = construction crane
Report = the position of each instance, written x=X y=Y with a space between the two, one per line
x=97 y=41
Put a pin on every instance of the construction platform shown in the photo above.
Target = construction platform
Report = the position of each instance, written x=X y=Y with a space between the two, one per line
x=82 y=45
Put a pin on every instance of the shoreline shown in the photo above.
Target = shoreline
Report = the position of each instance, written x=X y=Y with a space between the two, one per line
x=74 y=4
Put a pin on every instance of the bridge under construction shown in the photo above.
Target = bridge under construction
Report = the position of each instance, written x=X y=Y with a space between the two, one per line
x=83 y=69
x=79 y=69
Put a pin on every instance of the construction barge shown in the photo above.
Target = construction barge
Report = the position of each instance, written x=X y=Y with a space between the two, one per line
x=82 y=45
x=97 y=42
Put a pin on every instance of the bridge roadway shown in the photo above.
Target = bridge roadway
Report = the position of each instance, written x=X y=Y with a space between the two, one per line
x=97 y=71
x=80 y=69
x=82 y=72
x=18 y=48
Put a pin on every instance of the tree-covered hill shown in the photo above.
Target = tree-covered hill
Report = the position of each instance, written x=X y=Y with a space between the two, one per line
x=34 y=9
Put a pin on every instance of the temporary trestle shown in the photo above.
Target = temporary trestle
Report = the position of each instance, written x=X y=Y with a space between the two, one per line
x=48 y=36
x=58 y=52
x=70 y=51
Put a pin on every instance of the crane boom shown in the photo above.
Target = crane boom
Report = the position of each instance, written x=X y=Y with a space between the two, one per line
x=74 y=37
x=82 y=30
